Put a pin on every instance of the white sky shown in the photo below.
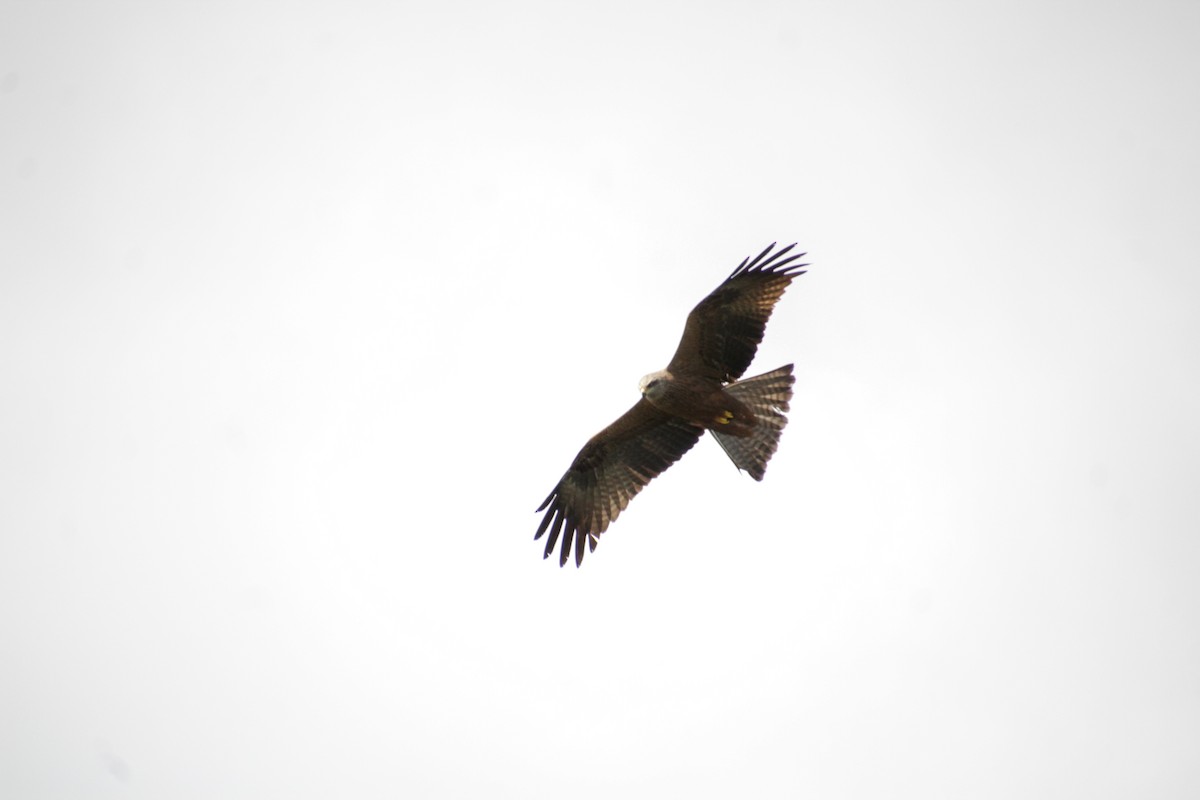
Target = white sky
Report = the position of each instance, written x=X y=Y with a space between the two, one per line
x=304 y=311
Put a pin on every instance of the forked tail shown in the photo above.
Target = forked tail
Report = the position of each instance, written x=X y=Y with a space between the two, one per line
x=768 y=396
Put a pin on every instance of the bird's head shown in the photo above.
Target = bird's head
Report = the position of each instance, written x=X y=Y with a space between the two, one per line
x=654 y=384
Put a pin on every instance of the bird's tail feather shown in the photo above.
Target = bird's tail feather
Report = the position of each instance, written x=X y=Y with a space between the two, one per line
x=768 y=396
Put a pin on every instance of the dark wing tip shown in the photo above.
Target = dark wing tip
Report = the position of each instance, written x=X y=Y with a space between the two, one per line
x=579 y=537
x=565 y=552
x=774 y=265
x=558 y=521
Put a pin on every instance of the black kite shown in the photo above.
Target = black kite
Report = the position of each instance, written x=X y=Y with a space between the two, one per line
x=699 y=390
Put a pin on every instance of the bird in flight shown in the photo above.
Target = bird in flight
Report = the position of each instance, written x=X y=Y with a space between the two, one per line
x=699 y=390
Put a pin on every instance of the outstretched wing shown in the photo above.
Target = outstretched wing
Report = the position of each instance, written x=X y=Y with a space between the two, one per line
x=610 y=469
x=723 y=332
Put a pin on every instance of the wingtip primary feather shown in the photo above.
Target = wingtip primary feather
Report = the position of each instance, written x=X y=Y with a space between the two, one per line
x=776 y=255
x=738 y=269
x=747 y=265
x=773 y=264
x=759 y=257
x=552 y=522
x=565 y=552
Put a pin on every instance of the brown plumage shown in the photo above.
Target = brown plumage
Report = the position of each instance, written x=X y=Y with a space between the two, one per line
x=698 y=391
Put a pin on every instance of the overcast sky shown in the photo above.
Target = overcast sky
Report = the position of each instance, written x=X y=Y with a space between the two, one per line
x=303 y=311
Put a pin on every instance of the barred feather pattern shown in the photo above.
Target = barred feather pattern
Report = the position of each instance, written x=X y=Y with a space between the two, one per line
x=768 y=396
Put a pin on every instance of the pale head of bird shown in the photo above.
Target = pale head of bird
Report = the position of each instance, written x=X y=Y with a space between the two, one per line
x=654 y=385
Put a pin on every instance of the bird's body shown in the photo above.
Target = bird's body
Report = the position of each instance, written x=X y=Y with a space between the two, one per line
x=699 y=390
x=701 y=401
